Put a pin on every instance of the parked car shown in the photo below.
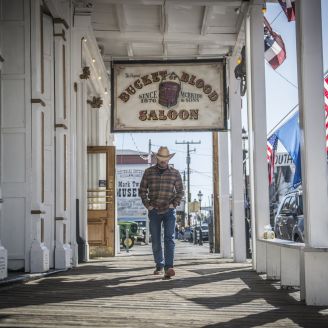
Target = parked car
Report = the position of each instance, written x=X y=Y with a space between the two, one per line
x=204 y=232
x=289 y=220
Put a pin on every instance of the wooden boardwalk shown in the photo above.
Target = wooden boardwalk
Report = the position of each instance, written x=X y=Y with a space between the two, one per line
x=122 y=292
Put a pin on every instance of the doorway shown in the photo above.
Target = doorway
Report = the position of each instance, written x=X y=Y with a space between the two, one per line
x=101 y=200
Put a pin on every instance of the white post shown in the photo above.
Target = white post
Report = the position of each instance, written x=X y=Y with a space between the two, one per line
x=313 y=150
x=257 y=131
x=224 y=203
x=3 y=251
x=80 y=32
x=62 y=114
x=84 y=170
x=238 y=210
x=63 y=250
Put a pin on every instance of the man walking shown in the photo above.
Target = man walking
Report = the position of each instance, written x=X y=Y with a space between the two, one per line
x=161 y=191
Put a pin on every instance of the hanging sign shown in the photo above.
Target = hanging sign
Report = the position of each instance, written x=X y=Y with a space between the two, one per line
x=169 y=96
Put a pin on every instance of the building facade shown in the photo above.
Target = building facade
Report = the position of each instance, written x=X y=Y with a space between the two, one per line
x=54 y=103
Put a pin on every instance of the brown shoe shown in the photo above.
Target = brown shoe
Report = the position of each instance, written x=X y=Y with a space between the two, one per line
x=169 y=273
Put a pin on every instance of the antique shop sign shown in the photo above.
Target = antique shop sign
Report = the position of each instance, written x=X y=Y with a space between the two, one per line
x=168 y=96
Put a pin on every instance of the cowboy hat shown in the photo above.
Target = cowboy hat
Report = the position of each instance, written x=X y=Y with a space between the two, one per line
x=163 y=154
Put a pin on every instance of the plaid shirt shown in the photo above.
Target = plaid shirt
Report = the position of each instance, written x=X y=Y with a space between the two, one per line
x=159 y=190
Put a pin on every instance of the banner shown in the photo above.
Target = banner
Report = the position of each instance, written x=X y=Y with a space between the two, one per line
x=168 y=96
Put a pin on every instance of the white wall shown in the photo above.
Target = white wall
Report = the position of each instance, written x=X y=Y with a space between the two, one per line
x=15 y=231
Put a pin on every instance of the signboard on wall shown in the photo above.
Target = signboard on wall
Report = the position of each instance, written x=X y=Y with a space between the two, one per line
x=129 y=203
x=168 y=96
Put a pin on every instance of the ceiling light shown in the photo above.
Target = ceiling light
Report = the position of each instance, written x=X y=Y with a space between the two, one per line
x=93 y=60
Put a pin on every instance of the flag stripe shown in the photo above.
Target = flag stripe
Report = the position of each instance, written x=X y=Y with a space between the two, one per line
x=274 y=47
x=272 y=143
x=288 y=7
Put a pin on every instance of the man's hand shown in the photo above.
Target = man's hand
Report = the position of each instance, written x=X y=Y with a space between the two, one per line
x=171 y=206
x=150 y=208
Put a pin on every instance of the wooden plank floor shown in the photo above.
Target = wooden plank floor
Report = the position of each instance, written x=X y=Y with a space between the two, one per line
x=122 y=292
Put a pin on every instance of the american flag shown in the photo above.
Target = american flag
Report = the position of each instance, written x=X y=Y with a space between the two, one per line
x=288 y=7
x=274 y=47
x=272 y=143
x=326 y=107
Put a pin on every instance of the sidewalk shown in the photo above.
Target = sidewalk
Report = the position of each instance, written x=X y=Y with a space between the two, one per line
x=207 y=291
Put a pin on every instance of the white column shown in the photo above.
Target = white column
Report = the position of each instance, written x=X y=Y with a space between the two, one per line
x=312 y=122
x=39 y=253
x=238 y=210
x=313 y=150
x=75 y=90
x=3 y=251
x=224 y=203
x=84 y=169
x=257 y=129
x=63 y=250
x=79 y=179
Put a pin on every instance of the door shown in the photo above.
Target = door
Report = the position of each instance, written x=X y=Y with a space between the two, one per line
x=101 y=200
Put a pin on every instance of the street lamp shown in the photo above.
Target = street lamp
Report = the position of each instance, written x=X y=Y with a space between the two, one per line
x=200 y=195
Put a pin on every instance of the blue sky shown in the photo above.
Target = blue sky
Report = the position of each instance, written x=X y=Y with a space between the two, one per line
x=281 y=97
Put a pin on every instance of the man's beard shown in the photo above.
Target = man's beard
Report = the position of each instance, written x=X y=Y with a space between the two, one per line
x=162 y=165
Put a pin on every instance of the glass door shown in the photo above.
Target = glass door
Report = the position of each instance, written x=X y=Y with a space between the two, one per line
x=101 y=200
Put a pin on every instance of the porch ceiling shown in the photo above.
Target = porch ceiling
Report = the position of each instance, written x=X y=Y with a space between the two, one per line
x=166 y=29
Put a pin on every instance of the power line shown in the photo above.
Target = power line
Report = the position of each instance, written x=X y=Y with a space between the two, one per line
x=184 y=151
x=203 y=174
x=142 y=155
x=279 y=123
x=276 y=17
x=283 y=77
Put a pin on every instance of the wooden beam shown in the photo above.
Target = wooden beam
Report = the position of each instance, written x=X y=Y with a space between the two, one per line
x=226 y=39
x=165 y=49
x=121 y=19
x=221 y=29
x=228 y=3
x=129 y=49
x=240 y=29
x=207 y=10
x=216 y=204
x=162 y=21
x=108 y=58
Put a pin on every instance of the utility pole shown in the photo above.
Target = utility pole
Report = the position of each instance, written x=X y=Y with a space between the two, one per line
x=188 y=143
x=147 y=219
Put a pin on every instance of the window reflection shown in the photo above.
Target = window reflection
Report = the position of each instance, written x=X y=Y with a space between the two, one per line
x=97 y=184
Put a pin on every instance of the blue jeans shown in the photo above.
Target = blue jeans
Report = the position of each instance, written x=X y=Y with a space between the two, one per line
x=155 y=224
